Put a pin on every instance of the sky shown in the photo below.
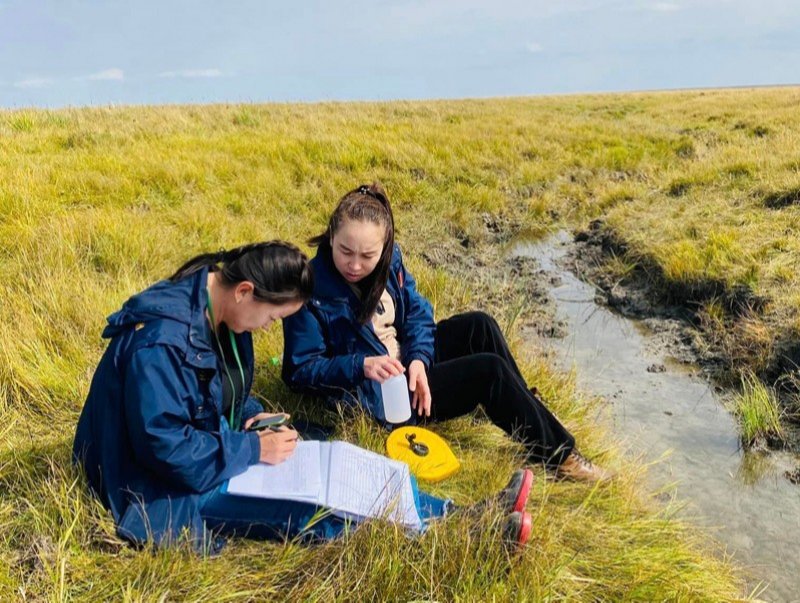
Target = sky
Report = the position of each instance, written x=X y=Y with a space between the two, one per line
x=75 y=53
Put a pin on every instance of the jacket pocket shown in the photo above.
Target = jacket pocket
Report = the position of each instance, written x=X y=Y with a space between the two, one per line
x=203 y=409
x=204 y=419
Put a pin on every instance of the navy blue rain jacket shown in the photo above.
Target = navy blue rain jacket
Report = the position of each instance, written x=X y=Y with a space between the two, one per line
x=149 y=435
x=325 y=346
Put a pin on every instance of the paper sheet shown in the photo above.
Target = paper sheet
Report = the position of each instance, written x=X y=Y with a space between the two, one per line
x=297 y=478
x=364 y=484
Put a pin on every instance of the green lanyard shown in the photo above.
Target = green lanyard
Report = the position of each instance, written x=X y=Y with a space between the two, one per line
x=225 y=363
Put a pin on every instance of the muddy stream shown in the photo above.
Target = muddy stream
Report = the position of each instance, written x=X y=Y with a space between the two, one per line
x=669 y=413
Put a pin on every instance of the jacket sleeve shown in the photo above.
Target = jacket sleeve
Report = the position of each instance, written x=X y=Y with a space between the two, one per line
x=306 y=361
x=417 y=330
x=160 y=429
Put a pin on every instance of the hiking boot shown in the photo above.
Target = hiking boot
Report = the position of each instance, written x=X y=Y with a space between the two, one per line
x=578 y=468
x=517 y=529
x=513 y=497
x=510 y=499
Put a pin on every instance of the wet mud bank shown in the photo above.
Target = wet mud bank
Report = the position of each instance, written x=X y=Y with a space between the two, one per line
x=507 y=286
x=666 y=411
x=675 y=312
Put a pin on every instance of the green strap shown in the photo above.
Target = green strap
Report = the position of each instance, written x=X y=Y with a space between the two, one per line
x=238 y=363
x=235 y=349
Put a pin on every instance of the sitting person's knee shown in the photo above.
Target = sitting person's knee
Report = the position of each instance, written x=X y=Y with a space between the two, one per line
x=481 y=319
x=490 y=365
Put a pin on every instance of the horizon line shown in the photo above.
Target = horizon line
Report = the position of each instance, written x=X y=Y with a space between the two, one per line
x=112 y=105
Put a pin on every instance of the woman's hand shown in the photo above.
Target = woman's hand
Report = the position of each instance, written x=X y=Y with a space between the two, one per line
x=380 y=368
x=418 y=384
x=277 y=446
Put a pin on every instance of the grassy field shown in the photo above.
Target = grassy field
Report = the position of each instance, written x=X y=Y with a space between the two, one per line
x=97 y=203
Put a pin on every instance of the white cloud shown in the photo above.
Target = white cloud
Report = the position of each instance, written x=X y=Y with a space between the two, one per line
x=108 y=74
x=192 y=73
x=34 y=82
x=664 y=7
x=533 y=47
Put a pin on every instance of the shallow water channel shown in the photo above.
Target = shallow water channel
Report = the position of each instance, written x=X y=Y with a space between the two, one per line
x=743 y=498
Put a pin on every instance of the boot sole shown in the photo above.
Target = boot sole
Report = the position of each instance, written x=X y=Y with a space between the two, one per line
x=525 y=529
x=524 y=492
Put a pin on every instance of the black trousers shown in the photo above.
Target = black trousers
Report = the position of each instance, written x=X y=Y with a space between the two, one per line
x=473 y=366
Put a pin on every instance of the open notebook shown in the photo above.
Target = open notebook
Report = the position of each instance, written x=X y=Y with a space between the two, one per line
x=352 y=482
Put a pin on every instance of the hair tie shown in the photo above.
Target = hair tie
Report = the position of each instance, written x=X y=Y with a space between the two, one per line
x=365 y=190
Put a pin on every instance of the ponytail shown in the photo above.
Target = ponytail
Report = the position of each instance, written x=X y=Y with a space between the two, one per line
x=198 y=263
x=279 y=271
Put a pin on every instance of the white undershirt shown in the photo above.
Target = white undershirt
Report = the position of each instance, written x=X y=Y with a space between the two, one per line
x=383 y=323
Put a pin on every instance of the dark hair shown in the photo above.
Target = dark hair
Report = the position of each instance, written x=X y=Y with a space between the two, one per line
x=367 y=203
x=279 y=271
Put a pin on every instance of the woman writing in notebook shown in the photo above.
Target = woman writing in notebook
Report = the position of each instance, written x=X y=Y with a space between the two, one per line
x=165 y=424
x=366 y=322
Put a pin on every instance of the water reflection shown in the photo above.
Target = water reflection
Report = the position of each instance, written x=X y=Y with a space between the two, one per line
x=754 y=467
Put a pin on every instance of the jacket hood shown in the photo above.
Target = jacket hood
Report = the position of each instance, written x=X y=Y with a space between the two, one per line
x=180 y=301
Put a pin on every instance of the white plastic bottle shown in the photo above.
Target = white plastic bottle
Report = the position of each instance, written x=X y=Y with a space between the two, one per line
x=396 y=403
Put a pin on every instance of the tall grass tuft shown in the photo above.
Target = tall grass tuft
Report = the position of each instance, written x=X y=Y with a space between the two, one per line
x=758 y=411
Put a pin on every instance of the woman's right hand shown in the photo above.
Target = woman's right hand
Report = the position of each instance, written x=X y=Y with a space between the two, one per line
x=380 y=368
x=277 y=446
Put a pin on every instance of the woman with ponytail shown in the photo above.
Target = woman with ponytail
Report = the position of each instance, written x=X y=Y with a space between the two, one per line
x=164 y=424
x=366 y=322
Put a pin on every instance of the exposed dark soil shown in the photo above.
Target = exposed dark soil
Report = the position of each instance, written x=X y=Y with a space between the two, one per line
x=500 y=283
x=781 y=199
x=793 y=476
x=648 y=292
